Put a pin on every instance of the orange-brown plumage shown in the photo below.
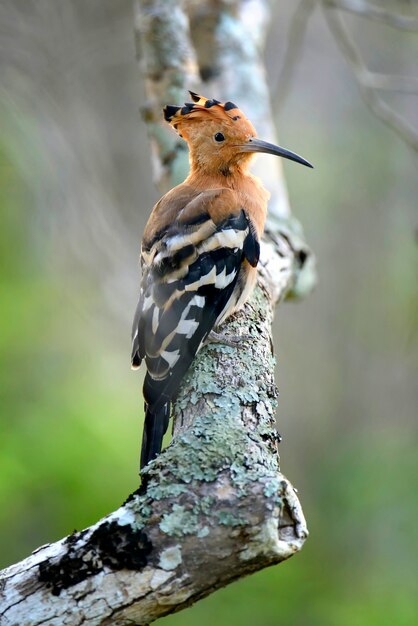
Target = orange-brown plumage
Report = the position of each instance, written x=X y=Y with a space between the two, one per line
x=199 y=252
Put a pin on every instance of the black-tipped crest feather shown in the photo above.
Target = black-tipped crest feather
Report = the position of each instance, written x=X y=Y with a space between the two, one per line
x=169 y=111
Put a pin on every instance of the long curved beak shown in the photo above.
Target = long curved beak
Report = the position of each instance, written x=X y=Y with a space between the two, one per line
x=257 y=145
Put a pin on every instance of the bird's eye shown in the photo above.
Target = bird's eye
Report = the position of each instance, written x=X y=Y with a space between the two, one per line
x=219 y=137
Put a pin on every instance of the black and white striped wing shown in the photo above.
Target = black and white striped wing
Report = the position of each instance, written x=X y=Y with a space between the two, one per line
x=191 y=280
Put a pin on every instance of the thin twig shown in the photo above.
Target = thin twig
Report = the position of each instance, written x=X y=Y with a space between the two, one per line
x=368 y=91
x=392 y=82
x=373 y=12
x=294 y=45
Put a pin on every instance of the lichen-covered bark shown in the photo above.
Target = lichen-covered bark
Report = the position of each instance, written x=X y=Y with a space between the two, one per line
x=169 y=67
x=213 y=507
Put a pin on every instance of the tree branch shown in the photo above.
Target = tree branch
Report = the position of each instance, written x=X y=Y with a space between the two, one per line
x=367 y=80
x=213 y=506
x=169 y=67
x=294 y=43
x=391 y=82
x=373 y=12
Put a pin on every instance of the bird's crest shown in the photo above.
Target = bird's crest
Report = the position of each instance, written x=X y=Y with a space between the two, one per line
x=201 y=107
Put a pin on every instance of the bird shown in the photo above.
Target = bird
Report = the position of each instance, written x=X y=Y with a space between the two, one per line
x=199 y=251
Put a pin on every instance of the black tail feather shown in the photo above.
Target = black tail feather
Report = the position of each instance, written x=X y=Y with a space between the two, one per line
x=155 y=426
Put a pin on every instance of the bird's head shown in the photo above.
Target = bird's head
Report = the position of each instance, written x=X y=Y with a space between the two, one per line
x=219 y=135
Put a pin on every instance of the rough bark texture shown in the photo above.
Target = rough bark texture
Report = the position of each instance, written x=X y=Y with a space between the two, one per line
x=213 y=507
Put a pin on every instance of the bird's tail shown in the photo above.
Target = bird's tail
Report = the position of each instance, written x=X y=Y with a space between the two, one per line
x=155 y=426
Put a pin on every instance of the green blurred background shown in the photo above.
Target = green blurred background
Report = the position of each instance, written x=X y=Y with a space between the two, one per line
x=75 y=191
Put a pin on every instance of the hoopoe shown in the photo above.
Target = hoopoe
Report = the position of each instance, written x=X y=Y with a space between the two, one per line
x=199 y=252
